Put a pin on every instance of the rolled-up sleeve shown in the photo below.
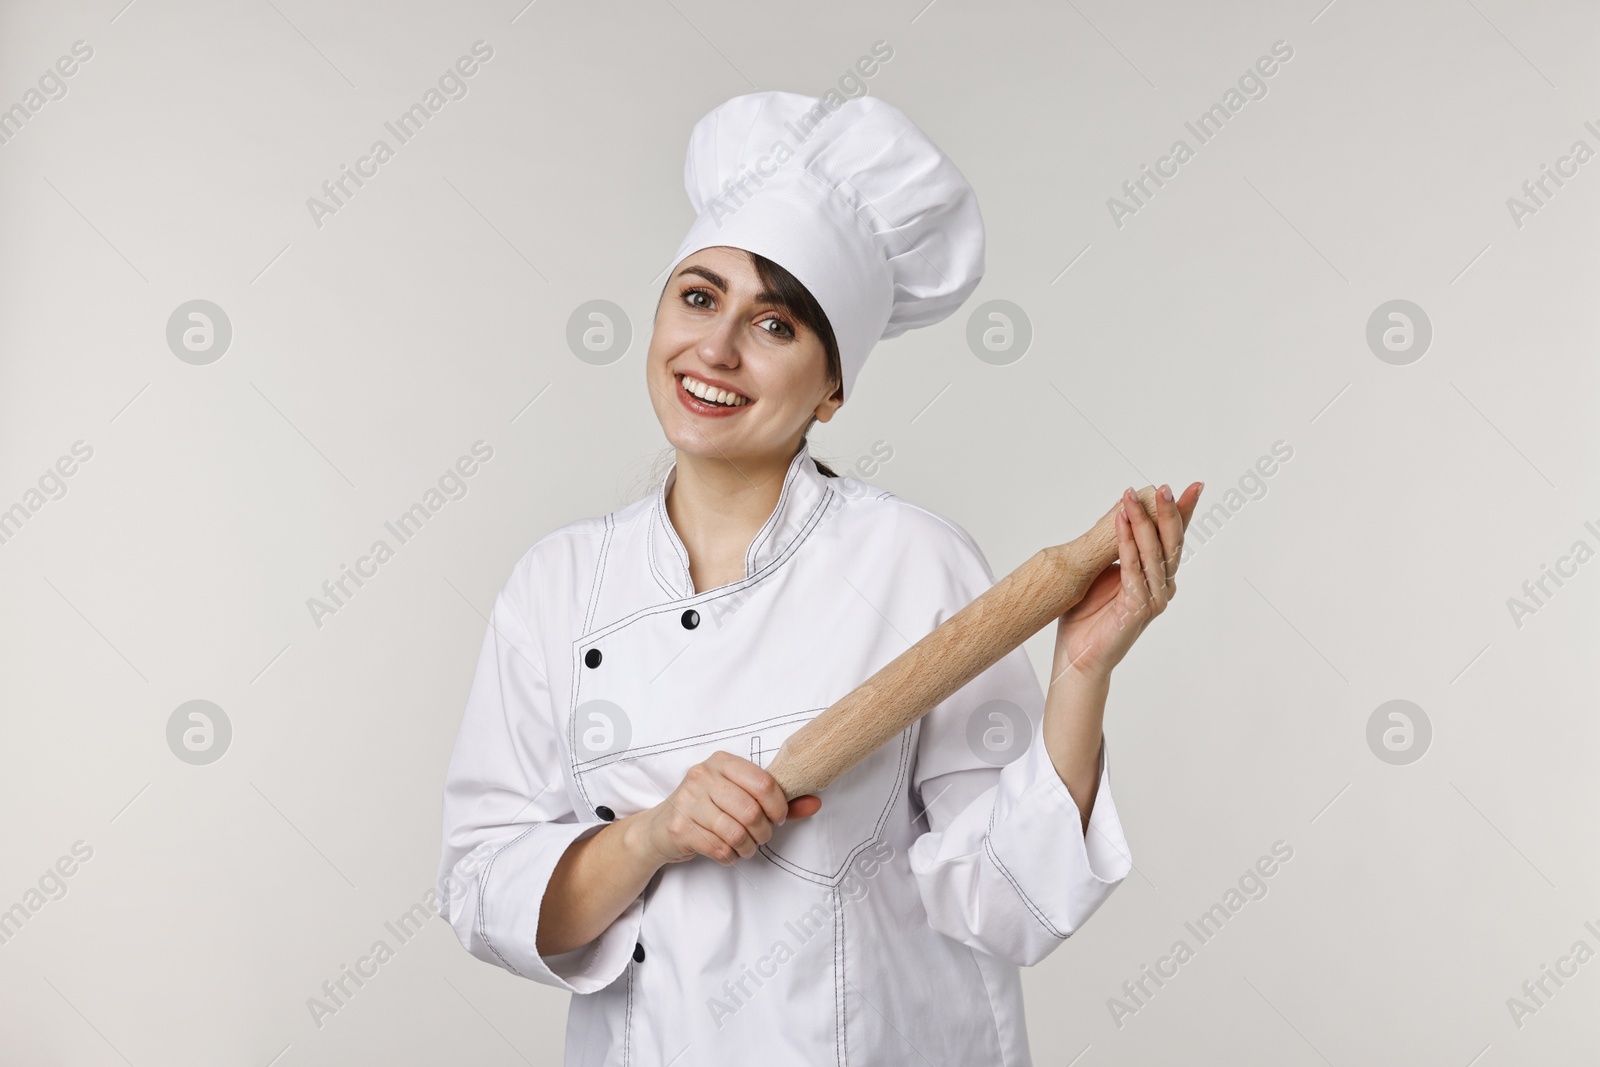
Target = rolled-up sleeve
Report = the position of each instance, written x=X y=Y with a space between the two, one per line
x=1013 y=873
x=508 y=819
x=1006 y=866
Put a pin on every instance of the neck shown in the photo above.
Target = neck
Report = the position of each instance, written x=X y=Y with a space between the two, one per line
x=717 y=506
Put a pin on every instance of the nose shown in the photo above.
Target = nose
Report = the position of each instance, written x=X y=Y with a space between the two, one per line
x=719 y=348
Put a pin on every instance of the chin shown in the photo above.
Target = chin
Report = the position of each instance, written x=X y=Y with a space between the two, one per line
x=706 y=446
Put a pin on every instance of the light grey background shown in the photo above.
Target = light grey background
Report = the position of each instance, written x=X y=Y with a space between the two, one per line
x=368 y=354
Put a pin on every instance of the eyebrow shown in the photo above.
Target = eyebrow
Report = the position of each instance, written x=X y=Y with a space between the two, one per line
x=766 y=296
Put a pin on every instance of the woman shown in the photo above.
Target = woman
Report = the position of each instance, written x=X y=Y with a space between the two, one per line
x=609 y=827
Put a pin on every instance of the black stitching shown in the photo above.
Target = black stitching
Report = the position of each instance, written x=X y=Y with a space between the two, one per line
x=599 y=572
x=704 y=598
x=655 y=567
x=808 y=527
x=822 y=878
x=740 y=586
x=770 y=527
x=988 y=850
x=689 y=741
x=594 y=597
x=483 y=885
x=841 y=1044
x=572 y=726
x=672 y=535
x=627 y=1021
x=658 y=515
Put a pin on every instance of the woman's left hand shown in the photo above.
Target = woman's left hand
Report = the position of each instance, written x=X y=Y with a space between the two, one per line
x=1094 y=635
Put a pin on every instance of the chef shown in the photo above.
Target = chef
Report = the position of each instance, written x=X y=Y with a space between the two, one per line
x=609 y=825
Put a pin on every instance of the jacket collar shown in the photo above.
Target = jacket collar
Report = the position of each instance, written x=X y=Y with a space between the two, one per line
x=805 y=492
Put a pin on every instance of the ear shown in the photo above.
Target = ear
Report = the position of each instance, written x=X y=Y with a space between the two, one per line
x=830 y=404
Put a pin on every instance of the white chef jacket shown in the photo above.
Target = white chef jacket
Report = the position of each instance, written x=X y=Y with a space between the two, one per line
x=897 y=916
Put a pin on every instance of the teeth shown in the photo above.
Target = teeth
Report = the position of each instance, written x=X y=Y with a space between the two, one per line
x=712 y=394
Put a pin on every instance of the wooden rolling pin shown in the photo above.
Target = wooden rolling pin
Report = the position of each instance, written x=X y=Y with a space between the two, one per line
x=947 y=658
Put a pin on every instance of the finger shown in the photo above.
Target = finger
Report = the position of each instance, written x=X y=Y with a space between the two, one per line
x=803 y=807
x=1170 y=525
x=1102 y=591
x=726 y=830
x=733 y=800
x=756 y=781
x=689 y=831
x=1187 y=502
x=1133 y=587
x=718 y=834
x=1150 y=556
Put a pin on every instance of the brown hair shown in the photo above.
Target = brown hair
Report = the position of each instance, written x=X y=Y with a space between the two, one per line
x=797 y=300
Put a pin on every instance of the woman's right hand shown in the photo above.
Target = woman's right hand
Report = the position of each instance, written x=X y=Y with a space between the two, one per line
x=725 y=808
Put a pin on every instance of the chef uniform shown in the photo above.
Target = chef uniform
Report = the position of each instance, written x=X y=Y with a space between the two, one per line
x=889 y=927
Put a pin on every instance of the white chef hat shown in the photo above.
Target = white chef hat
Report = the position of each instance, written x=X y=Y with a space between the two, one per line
x=851 y=198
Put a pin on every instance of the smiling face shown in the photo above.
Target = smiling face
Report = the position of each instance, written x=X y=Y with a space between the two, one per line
x=734 y=374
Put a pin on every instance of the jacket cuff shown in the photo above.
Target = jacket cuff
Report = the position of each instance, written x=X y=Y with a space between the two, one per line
x=1035 y=839
x=510 y=894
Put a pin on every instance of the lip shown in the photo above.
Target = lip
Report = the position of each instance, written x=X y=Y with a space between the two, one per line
x=700 y=407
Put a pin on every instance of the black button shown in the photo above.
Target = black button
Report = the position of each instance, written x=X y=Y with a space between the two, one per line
x=691 y=619
x=591 y=658
x=605 y=813
x=638 y=952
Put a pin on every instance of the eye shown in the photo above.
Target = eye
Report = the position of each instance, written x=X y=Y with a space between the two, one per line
x=787 y=330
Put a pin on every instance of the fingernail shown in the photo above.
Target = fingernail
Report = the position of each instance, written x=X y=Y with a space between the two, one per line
x=1201 y=489
x=1166 y=493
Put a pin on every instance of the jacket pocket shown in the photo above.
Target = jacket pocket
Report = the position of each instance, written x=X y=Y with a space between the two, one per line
x=819 y=848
